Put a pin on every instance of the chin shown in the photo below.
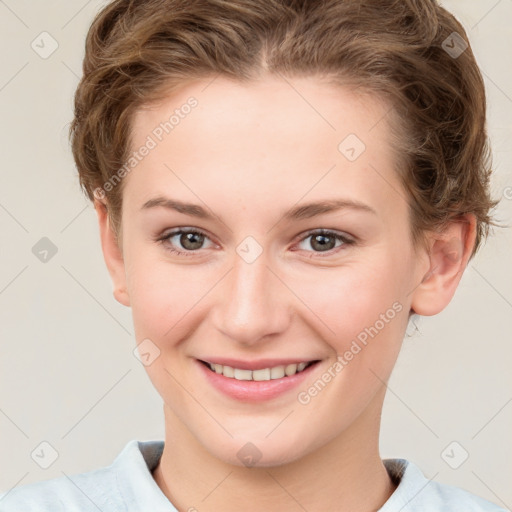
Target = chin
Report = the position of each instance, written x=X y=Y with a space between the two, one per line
x=261 y=452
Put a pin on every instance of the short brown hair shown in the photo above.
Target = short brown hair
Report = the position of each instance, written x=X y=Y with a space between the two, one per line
x=138 y=50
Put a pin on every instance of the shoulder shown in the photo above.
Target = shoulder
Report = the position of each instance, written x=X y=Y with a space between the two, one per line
x=417 y=493
x=83 y=492
x=91 y=491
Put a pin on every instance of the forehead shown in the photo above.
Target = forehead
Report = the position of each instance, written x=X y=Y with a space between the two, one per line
x=256 y=140
x=265 y=106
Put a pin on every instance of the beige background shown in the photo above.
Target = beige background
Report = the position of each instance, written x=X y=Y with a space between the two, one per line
x=67 y=372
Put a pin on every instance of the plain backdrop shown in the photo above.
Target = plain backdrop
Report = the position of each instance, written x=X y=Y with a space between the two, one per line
x=68 y=376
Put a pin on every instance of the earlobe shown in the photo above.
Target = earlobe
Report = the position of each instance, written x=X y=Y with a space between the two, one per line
x=449 y=256
x=112 y=254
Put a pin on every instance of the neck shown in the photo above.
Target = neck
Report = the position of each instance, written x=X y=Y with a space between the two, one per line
x=345 y=474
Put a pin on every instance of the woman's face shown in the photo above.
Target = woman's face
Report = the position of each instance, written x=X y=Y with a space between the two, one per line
x=256 y=286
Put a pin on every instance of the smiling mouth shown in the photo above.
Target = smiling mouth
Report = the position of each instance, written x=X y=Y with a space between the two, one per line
x=273 y=373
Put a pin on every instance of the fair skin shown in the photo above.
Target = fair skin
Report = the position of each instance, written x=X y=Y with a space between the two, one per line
x=246 y=154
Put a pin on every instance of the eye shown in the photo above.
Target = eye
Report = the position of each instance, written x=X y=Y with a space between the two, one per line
x=323 y=240
x=190 y=239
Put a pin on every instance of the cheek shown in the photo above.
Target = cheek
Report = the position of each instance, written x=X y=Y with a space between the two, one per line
x=356 y=295
x=162 y=295
x=364 y=310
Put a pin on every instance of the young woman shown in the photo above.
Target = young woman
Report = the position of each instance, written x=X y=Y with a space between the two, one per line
x=280 y=185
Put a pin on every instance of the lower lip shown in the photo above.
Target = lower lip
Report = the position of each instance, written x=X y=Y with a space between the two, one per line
x=254 y=391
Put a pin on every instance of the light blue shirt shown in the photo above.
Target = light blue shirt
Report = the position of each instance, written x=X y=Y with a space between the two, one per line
x=127 y=485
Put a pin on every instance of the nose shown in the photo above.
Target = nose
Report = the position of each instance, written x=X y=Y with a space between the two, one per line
x=252 y=303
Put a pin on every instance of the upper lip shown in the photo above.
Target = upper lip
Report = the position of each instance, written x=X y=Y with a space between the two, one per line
x=255 y=364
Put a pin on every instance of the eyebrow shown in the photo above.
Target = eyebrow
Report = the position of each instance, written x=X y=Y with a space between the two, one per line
x=304 y=211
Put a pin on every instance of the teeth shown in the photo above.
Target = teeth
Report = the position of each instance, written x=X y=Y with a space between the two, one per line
x=277 y=372
x=227 y=371
x=243 y=374
x=290 y=369
x=261 y=374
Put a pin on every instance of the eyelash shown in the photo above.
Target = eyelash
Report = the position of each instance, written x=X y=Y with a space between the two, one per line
x=346 y=241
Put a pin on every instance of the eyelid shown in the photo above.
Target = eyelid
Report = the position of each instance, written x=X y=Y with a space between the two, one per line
x=326 y=231
x=345 y=238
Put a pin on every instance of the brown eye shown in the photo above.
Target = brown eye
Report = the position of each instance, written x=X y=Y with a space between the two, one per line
x=324 y=241
x=191 y=241
x=183 y=242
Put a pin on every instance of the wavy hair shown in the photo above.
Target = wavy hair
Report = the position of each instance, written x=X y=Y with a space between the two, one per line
x=137 y=51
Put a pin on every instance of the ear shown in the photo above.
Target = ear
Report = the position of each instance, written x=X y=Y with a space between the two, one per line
x=112 y=254
x=449 y=255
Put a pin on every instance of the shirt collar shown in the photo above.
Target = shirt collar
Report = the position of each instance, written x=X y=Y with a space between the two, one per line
x=134 y=466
